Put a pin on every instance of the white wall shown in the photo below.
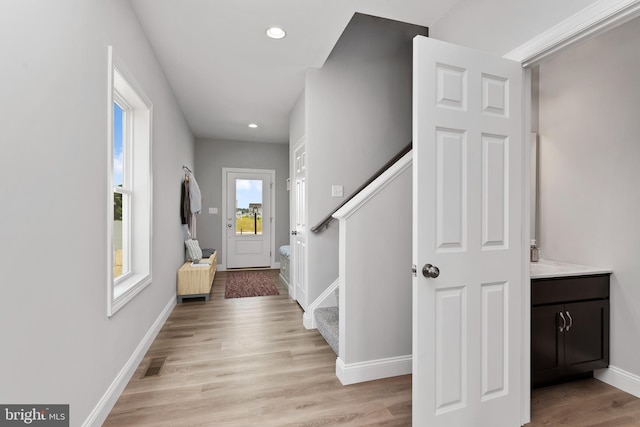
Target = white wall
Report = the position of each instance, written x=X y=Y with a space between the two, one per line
x=58 y=344
x=500 y=26
x=589 y=151
x=358 y=116
x=211 y=157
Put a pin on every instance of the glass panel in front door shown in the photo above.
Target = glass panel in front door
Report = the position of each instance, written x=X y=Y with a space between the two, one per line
x=248 y=206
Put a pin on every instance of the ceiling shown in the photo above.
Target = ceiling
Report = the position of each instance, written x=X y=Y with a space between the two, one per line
x=226 y=73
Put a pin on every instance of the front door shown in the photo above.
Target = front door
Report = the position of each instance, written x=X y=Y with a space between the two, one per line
x=468 y=237
x=299 y=229
x=248 y=219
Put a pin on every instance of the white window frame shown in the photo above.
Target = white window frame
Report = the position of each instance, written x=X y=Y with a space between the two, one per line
x=137 y=186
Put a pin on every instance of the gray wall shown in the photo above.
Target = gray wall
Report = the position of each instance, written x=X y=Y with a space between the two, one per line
x=500 y=26
x=58 y=344
x=358 y=116
x=535 y=100
x=211 y=157
x=378 y=294
x=297 y=122
x=589 y=151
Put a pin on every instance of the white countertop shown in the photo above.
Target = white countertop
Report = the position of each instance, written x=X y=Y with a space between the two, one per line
x=546 y=268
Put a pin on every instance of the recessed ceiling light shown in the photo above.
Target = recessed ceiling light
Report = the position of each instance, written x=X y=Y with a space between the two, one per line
x=276 y=33
x=253 y=125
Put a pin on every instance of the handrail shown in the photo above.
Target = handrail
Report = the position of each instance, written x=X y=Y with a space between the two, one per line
x=324 y=224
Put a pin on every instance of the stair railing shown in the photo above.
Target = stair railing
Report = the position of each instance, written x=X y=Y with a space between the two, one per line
x=324 y=224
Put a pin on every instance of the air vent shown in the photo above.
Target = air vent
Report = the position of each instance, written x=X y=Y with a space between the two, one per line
x=155 y=366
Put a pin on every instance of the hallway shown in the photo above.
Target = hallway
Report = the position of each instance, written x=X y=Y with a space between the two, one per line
x=250 y=362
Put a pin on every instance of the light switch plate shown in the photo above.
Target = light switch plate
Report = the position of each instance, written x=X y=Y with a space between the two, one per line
x=213 y=210
x=336 y=191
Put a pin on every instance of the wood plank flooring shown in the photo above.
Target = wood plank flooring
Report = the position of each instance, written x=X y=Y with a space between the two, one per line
x=250 y=362
x=584 y=403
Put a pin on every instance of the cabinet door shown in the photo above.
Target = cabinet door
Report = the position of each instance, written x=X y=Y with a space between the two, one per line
x=547 y=345
x=587 y=340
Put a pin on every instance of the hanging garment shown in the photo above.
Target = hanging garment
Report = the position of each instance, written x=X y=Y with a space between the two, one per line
x=185 y=232
x=194 y=195
x=192 y=226
x=185 y=203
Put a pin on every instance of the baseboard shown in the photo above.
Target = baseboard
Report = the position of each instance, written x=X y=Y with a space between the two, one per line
x=287 y=284
x=275 y=265
x=621 y=379
x=309 y=318
x=373 y=369
x=110 y=397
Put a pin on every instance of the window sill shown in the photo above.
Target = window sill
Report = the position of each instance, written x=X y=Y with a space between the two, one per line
x=124 y=291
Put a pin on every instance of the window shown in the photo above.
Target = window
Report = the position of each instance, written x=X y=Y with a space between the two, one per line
x=248 y=206
x=129 y=216
x=121 y=194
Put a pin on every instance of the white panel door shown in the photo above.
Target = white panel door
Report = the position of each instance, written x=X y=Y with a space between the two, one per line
x=467 y=219
x=248 y=219
x=299 y=229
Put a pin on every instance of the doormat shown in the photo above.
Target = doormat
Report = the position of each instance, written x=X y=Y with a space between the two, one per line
x=241 y=284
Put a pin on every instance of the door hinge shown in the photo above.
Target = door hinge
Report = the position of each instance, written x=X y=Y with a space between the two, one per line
x=271 y=220
x=271 y=185
x=414 y=270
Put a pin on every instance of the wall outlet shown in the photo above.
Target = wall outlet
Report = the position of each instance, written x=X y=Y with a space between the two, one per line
x=213 y=210
x=336 y=191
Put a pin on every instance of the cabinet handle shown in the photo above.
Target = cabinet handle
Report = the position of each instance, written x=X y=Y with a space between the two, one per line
x=564 y=322
x=570 y=321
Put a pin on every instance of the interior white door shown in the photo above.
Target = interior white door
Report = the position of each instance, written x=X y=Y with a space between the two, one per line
x=467 y=219
x=248 y=219
x=299 y=230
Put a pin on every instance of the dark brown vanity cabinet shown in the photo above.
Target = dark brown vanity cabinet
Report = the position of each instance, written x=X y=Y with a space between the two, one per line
x=569 y=327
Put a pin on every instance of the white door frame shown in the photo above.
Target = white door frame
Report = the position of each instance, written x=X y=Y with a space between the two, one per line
x=272 y=173
x=596 y=19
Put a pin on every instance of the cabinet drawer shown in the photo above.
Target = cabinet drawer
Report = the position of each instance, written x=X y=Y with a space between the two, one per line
x=567 y=289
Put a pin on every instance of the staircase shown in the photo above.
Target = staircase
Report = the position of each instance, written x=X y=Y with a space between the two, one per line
x=328 y=322
x=374 y=278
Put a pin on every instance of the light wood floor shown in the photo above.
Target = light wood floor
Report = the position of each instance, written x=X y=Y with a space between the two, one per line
x=584 y=403
x=250 y=362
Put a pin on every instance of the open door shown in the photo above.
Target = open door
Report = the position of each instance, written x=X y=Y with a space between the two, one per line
x=468 y=245
x=299 y=221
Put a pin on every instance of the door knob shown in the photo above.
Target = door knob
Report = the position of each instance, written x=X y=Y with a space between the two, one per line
x=294 y=233
x=430 y=271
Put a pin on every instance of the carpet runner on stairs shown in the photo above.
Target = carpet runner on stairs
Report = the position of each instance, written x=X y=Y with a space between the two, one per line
x=327 y=319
